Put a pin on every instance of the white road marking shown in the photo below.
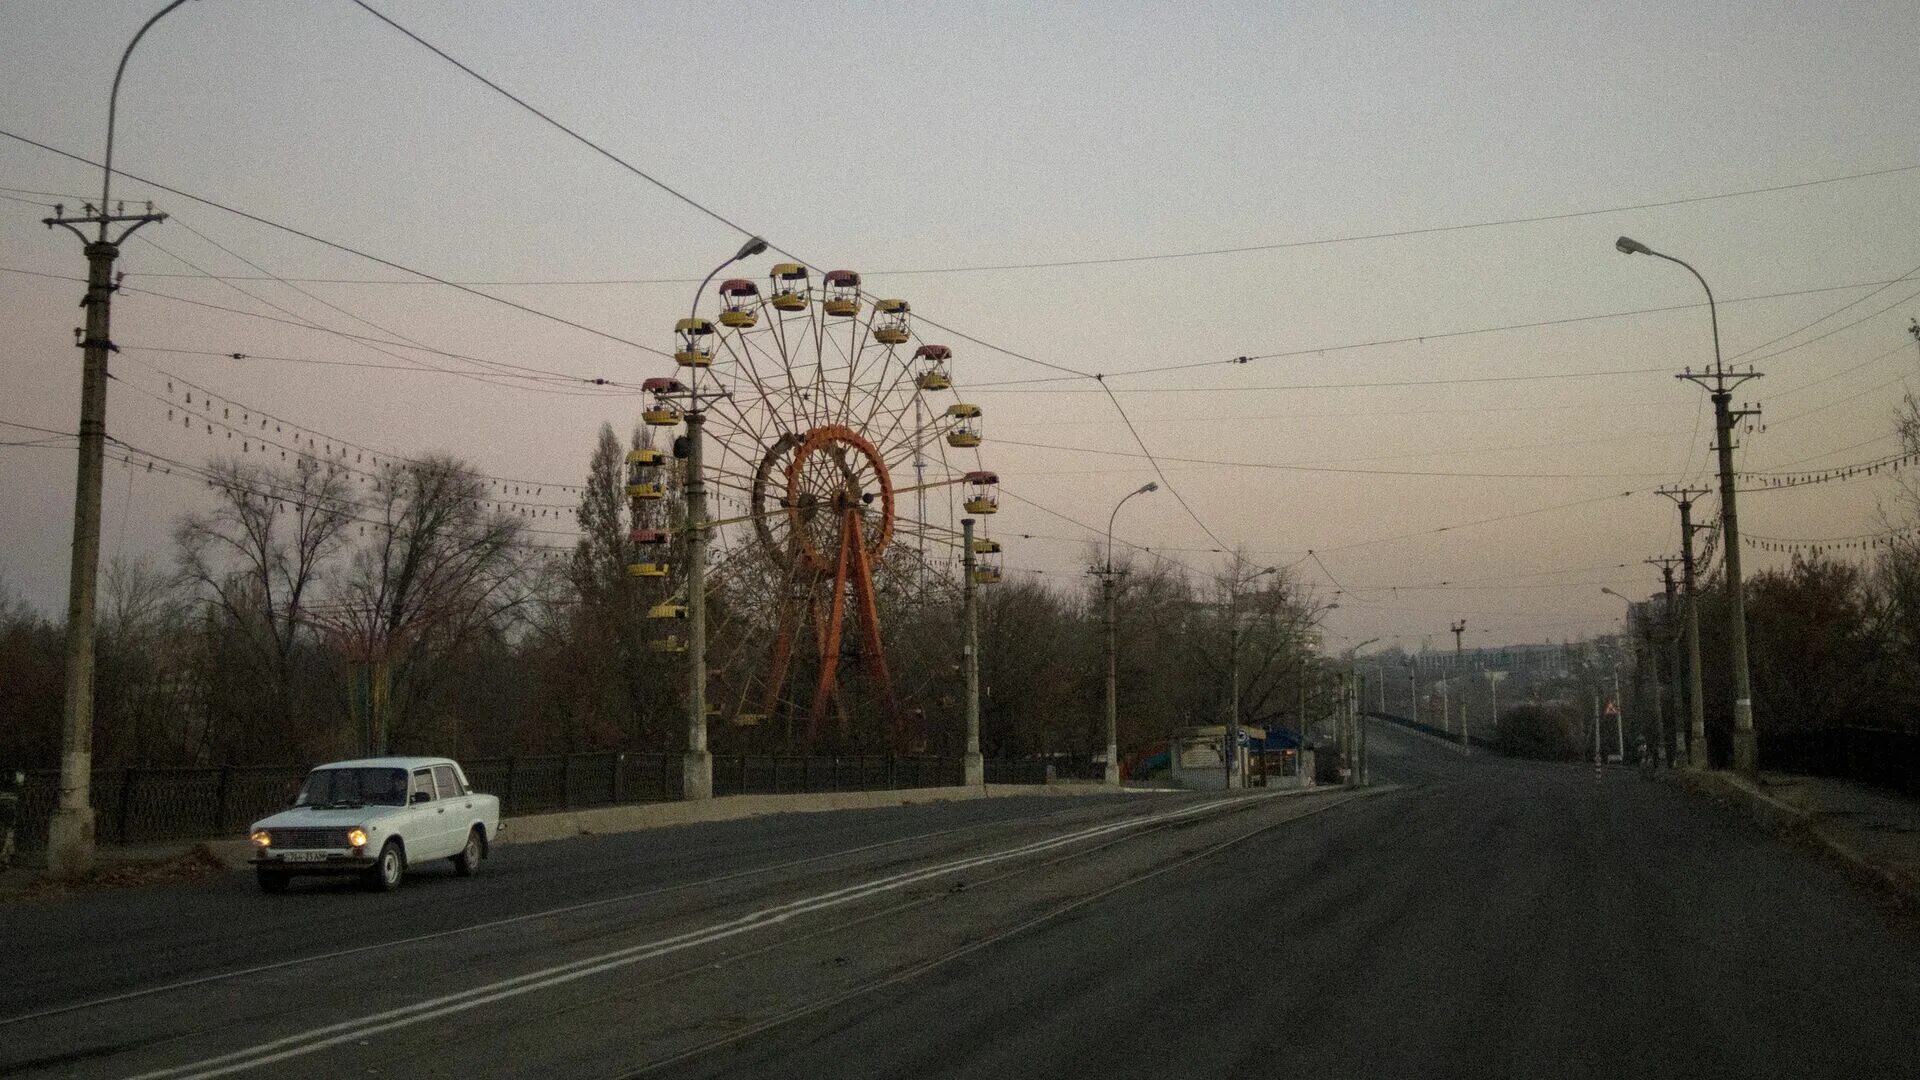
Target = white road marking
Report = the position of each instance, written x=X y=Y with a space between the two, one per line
x=239 y=973
x=361 y=1027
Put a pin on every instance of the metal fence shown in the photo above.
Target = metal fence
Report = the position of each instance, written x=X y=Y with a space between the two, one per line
x=150 y=805
x=1883 y=757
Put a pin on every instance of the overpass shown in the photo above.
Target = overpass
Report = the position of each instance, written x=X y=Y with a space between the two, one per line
x=1470 y=916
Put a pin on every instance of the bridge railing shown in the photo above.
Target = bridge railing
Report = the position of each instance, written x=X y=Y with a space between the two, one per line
x=157 y=804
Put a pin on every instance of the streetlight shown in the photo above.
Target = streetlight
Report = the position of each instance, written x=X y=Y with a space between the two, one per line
x=696 y=770
x=70 y=829
x=1107 y=577
x=1745 y=749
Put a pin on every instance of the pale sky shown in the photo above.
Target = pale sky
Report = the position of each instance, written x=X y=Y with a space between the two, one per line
x=888 y=138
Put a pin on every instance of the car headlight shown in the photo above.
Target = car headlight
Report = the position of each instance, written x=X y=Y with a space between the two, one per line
x=262 y=838
x=357 y=837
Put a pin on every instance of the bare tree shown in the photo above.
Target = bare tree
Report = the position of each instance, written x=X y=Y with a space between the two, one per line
x=255 y=559
x=436 y=569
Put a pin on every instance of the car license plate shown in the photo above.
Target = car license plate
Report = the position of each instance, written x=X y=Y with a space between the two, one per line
x=303 y=856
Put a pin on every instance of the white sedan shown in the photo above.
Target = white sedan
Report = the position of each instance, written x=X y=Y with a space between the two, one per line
x=374 y=818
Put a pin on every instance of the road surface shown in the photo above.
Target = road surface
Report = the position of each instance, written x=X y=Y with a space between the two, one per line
x=1468 y=917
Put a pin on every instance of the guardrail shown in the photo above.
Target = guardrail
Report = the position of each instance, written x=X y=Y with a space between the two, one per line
x=158 y=804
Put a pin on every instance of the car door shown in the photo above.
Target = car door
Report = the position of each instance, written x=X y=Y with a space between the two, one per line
x=457 y=803
x=427 y=820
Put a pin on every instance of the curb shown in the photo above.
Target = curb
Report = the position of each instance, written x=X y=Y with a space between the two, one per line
x=235 y=853
x=1796 y=823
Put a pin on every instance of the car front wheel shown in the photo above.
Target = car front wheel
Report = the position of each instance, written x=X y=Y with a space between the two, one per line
x=387 y=871
x=469 y=858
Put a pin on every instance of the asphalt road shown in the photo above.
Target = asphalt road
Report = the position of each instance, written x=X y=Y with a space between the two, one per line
x=1476 y=917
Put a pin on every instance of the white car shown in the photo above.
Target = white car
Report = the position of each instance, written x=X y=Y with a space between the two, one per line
x=374 y=818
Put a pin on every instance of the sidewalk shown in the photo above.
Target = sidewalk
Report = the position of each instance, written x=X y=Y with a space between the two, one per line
x=1872 y=832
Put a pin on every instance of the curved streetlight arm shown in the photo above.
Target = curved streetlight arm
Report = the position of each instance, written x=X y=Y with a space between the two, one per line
x=1111 y=518
x=113 y=108
x=1630 y=246
x=1713 y=312
x=752 y=247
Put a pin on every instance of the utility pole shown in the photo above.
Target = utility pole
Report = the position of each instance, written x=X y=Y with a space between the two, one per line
x=70 y=828
x=1696 y=705
x=1231 y=751
x=1666 y=744
x=1360 y=733
x=1413 y=688
x=976 y=769
x=1459 y=628
x=70 y=832
x=1598 y=757
x=1107 y=589
x=1720 y=384
x=1360 y=723
x=696 y=768
x=1108 y=582
x=1619 y=717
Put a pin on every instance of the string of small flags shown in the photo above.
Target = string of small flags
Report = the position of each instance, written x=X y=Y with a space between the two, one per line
x=215 y=417
x=1773 y=481
x=1825 y=545
x=203 y=402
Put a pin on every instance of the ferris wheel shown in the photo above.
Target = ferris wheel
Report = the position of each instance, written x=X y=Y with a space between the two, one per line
x=840 y=459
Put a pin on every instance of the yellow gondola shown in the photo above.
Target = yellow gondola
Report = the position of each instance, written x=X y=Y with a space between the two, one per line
x=986 y=575
x=641 y=483
x=667 y=610
x=748 y=719
x=986 y=546
x=843 y=293
x=983 y=495
x=668 y=645
x=738 y=298
x=891 y=327
x=791 y=290
x=648 y=569
x=649 y=564
x=930 y=367
x=966 y=433
x=696 y=350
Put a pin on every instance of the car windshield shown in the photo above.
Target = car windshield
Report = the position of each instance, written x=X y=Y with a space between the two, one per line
x=334 y=787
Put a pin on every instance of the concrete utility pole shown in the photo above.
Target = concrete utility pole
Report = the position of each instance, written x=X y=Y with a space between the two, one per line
x=1668 y=742
x=70 y=828
x=1696 y=704
x=1108 y=582
x=976 y=767
x=1459 y=628
x=696 y=768
x=1619 y=717
x=1720 y=384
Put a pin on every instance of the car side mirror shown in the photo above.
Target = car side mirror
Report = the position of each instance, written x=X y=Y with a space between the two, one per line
x=421 y=796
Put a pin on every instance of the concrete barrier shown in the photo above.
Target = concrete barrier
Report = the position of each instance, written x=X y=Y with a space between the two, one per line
x=538 y=828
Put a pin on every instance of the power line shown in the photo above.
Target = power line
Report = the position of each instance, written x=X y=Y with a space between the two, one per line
x=582 y=139
x=1120 y=259
x=1412 y=339
x=1286 y=467
x=337 y=246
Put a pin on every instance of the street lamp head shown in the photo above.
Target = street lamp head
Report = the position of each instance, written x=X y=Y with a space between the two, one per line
x=1148 y=486
x=753 y=246
x=1629 y=246
x=1608 y=591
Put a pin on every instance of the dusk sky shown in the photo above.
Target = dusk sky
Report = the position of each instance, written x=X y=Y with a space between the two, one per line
x=942 y=151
